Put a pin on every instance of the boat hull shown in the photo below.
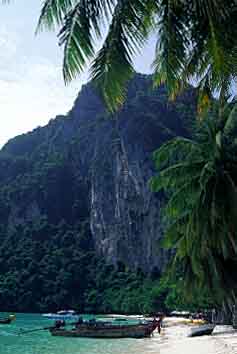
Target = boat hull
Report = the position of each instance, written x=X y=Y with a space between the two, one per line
x=203 y=330
x=113 y=331
x=5 y=321
x=56 y=317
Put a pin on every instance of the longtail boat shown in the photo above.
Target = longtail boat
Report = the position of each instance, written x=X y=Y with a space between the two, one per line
x=7 y=320
x=100 y=330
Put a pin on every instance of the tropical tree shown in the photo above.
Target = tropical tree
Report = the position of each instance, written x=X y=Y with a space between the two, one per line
x=199 y=178
x=196 y=40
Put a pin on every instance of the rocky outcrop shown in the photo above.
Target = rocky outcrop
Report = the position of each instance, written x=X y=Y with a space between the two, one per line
x=90 y=164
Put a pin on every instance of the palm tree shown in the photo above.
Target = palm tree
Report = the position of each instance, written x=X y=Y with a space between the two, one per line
x=196 y=39
x=199 y=178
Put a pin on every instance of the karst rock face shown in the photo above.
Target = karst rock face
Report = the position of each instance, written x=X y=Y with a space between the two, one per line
x=93 y=165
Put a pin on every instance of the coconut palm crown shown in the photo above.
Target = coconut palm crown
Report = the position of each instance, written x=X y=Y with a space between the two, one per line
x=199 y=178
x=196 y=40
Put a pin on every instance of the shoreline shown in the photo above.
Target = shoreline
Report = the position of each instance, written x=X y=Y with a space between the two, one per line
x=174 y=340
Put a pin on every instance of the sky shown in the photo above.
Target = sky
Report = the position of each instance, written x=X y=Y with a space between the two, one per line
x=32 y=90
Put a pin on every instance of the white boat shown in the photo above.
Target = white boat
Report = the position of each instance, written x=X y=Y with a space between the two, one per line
x=202 y=330
x=62 y=315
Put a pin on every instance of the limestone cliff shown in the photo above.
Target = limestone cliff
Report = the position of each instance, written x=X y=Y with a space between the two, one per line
x=89 y=164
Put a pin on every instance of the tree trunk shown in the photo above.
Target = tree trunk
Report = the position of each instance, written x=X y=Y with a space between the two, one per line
x=234 y=317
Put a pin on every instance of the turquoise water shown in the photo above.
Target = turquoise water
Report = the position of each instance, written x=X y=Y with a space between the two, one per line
x=12 y=342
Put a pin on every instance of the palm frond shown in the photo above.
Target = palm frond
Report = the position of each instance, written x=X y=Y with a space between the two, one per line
x=211 y=8
x=76 y=35
x=231 y=123
x=200 y=211
x=170 y=151
x=128 y=32
x=53 y=13
x=176 y=175
x=171 y=46
x=196 y=40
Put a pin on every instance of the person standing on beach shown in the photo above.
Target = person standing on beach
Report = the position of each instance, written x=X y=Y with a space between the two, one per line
x=159 y=323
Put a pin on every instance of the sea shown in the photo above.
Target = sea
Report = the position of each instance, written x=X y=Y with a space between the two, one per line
x=13 y=340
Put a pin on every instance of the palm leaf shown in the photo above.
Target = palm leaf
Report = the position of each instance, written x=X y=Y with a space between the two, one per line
x=201 y=201
x=78 y=42
x=113 y=66
x=171 y=150
x=53 y=13
x=195 y=40
x=171 y=46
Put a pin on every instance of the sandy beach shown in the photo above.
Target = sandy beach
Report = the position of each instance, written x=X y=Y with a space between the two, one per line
x=174 y=340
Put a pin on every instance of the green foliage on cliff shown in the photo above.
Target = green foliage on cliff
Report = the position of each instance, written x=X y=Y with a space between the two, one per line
x=52 y=267
x=39 y=271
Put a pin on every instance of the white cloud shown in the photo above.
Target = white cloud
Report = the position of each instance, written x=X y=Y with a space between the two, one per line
x=32 y=90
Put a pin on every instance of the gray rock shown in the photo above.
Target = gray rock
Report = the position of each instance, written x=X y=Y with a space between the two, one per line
x=91 y=164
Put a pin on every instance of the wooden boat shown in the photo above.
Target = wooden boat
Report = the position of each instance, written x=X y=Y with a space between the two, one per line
x=100 y=330
x=7 y=320
x=203 y=330
x=189 y=321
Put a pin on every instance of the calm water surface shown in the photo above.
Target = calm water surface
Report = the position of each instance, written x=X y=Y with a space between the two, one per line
x=43 y=343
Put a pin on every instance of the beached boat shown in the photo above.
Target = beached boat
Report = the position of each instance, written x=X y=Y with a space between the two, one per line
x=203 y=330
x=102 y=330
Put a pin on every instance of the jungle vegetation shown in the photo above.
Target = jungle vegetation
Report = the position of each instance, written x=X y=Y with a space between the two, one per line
x=55 y=266
x=196 y=42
